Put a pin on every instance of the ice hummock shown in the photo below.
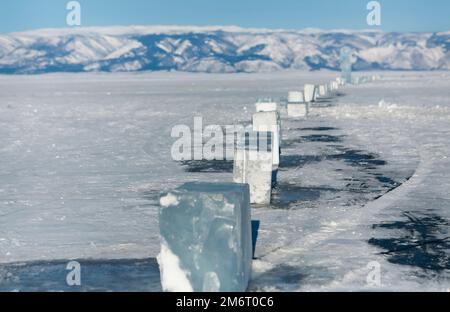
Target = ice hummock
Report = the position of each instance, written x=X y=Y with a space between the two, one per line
x=310 y=91
x=206 y=239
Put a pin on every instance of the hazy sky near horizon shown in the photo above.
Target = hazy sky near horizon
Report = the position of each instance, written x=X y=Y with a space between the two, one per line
x=397 y=15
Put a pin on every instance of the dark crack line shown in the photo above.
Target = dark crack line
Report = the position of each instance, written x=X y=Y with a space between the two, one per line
x=421 y=244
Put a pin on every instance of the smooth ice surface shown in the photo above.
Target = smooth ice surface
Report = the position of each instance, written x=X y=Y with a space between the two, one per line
x=102 y=275
x=206 y=238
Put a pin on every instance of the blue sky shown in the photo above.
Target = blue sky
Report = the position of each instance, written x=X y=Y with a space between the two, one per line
x=397 y=15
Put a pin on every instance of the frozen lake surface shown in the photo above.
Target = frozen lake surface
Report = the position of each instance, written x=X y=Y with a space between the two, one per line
x=364 y=180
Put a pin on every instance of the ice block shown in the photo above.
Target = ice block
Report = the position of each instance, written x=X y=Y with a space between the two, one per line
x=253 y=165
x=310 y=90
x=347 y=59
x=266 y=105
x=270 y=122
x=297 y=110
x=316 y=94
x=322 y=90
x=206 y=239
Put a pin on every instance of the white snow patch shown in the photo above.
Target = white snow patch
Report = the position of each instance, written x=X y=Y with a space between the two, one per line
x=173 y=277
x=169 y=200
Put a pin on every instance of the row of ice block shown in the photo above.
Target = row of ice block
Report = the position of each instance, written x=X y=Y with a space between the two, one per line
x=298 y=101
x=258 y=166
x=206 y=238
x=206 y=233
x=311 y=92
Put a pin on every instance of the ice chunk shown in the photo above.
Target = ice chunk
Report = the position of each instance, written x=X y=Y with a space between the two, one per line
x=253 y=165
x=206 y=242
x=335 y=85
x=316 y=94
x=295 y=97
x=297 y=110
x=310 y=91
x=266 y=105
x=270 y=122
x=322 y=90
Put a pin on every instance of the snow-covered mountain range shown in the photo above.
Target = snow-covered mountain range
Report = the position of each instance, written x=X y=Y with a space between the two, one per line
x=216 y=49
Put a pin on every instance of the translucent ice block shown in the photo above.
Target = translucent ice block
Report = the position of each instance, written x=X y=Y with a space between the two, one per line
x=206 y=242
x=316 y=94
x=347 y=59
x=270 y=122
x=310 y=91
x=253 y=165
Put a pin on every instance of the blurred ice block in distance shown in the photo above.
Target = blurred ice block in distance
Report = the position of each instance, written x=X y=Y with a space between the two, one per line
x=310 y=91
x=295 y=105
x=295 y=97
x=253 y=165
x=297 y=110
x=266 y=105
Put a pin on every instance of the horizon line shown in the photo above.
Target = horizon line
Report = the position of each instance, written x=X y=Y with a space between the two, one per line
x=193 y=28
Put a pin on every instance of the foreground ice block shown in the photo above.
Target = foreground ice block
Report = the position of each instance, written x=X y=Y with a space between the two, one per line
x=206 y=243
x=253 y=165
x=310 y=91
x=266 y=105
x=297 y=110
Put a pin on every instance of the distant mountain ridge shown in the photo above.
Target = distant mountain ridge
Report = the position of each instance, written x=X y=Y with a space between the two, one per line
x=216 y=49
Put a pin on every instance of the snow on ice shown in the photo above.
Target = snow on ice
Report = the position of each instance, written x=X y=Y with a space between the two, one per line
x=84 y=159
